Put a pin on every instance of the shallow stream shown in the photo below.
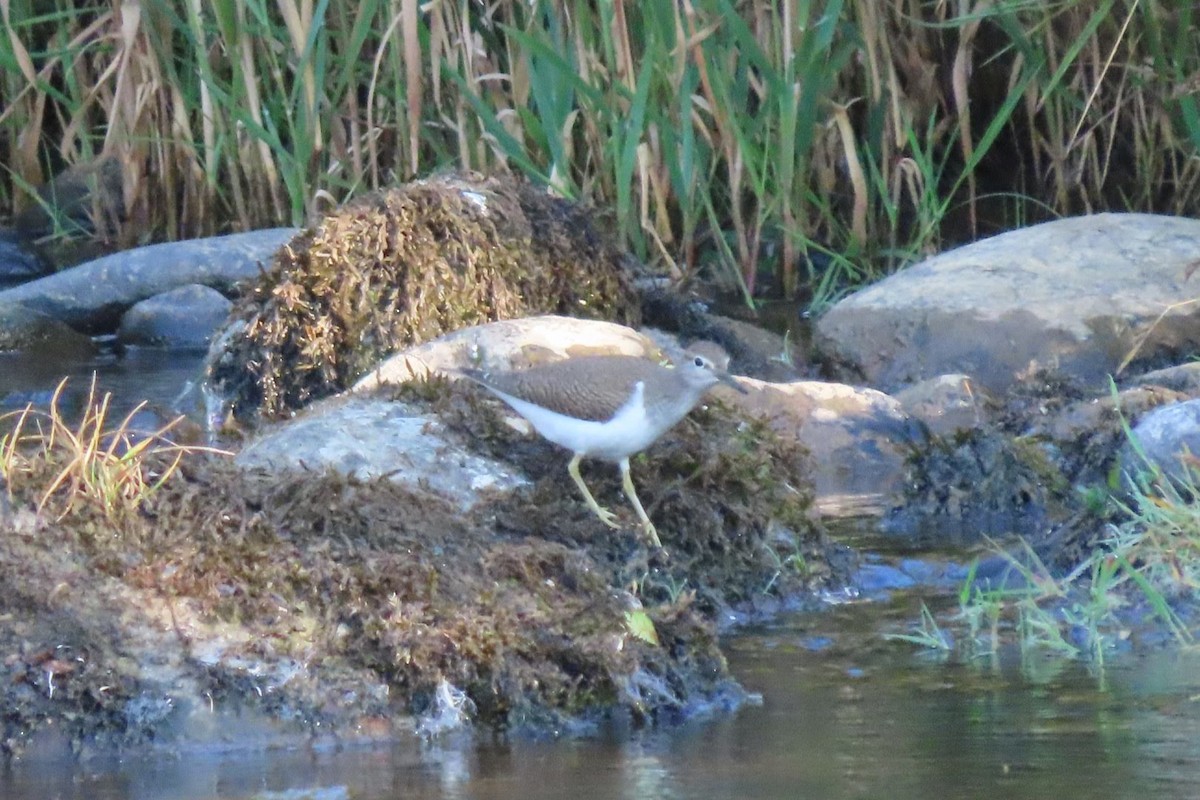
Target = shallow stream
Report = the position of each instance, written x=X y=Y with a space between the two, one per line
x=844 y=715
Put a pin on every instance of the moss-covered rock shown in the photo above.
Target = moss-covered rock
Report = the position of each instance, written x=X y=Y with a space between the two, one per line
x=402 y=266
x=324 y=603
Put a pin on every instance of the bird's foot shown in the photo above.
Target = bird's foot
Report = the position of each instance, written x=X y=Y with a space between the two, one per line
x=606 y=516
x=651 y=533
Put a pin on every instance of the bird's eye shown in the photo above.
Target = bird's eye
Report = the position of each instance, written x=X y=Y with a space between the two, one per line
x=699 y=361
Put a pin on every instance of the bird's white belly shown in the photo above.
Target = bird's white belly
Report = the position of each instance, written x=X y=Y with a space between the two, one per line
x=628 y=432
x=618 y=438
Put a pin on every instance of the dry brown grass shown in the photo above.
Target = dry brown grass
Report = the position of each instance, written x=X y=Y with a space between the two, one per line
x=113 y=467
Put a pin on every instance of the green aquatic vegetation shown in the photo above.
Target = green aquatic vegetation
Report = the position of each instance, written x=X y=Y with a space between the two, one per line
x=927 y=634
x=793 y=564
x=1149 y=559
x=1085 y=613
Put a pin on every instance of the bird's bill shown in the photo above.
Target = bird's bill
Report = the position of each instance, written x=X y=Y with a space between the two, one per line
x=729 y=380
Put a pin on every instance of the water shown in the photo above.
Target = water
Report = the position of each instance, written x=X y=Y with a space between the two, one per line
x=845 y=714
x=166 y=379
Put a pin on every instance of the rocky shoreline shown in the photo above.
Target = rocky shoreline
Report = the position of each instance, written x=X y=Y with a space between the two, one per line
x=403 y=553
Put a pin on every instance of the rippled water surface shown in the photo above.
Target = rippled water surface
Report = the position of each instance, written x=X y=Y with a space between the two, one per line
x=845 y=714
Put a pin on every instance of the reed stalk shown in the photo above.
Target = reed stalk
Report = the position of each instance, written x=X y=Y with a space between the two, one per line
x=733 y=138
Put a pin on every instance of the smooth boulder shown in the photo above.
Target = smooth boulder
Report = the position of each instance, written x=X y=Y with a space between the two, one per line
x=92 y=297
x=1078 y=296
x=185 y=318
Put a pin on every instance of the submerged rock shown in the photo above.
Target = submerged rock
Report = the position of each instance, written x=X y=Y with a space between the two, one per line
x=185 y=317
x=25 y=329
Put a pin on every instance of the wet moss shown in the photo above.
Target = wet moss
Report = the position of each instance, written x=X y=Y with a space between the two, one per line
x=366 y=585
x=731 y=500
x=1023 y=474
x=978 y=484
x=326 y=601
x=403 y=266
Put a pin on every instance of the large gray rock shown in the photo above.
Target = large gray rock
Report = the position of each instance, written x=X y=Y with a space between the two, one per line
x=1078 y=295
x=92 y=297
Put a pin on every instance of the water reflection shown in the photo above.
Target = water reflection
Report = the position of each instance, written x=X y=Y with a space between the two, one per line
x=164 y=383
x=165 y=379
x=858 y=718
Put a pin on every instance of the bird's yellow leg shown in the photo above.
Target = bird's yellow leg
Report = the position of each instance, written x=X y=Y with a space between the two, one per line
x=606 y=516
x=627 y=484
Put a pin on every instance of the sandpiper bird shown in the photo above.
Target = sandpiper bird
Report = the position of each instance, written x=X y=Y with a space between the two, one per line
x=607 y=407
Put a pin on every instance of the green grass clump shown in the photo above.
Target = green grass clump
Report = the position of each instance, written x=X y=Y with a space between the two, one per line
x=1145 y=563
x=1142 y=568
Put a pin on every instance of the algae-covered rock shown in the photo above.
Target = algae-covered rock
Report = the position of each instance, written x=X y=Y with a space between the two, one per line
x=313 y=602
x=403 y=266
